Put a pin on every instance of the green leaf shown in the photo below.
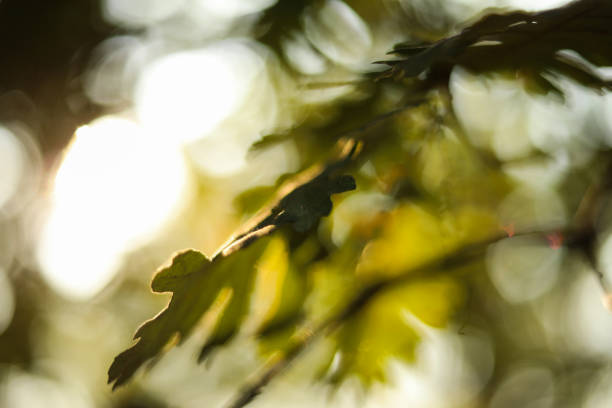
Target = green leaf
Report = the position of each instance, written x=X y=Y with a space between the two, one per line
x=415 y=235
x=197 y=284
x=390 y=326
x=183 y=264
x=214 y=295
x=250 y=201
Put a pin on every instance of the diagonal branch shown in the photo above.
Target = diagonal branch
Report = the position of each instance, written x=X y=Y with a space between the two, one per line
x=580 y=235
x=575 y=238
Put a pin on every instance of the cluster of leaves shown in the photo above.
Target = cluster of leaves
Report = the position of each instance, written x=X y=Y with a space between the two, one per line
x=531 y=45
x=277 y=274
x=218 y=289
x=258 y=283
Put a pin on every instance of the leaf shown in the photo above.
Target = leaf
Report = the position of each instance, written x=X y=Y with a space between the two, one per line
x=529 y=43
x=400 y=286
x=250 y=201
x=183 y=264
x=415 y=235
x=279 y=289
x=196 y=284
x=302 y=200
x=214 y=294
x=385 y=328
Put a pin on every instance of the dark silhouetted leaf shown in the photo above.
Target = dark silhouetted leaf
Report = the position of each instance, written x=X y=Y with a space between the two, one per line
x=302 y=200
x=531 y=44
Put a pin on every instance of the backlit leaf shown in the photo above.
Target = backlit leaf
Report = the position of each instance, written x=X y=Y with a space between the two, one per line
x=216 y=293
x=415 y=235
x=385 y=329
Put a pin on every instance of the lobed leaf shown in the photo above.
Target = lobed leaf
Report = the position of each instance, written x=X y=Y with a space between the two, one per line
x=215 y=293
x=196 y=284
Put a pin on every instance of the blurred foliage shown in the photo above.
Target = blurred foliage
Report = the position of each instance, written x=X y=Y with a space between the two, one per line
x=383 y=329
x=390 y=230
x=396 y=267
x=527 y=45
x=222 y=285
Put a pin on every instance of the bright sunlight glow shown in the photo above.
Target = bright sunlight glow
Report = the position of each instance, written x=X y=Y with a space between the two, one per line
x=233 y=8
x=184 y=96
x=140 y=12
x=530 y=5
x=114 y=189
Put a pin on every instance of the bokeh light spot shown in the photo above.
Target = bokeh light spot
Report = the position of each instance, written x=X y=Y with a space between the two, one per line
x=114 y=189
x=340 y=34
x=233 y=8
x=185 y=95
x=522 y=268
x=23 y=390
x=529 y=5
x=140 y=12
x=12 y=165
x=528 y=386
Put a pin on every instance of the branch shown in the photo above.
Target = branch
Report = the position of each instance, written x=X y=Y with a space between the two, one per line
x=575 y=238
x=528 y=43
x=580 y=235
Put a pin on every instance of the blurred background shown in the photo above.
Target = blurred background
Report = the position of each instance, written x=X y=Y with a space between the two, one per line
x=126 y=133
